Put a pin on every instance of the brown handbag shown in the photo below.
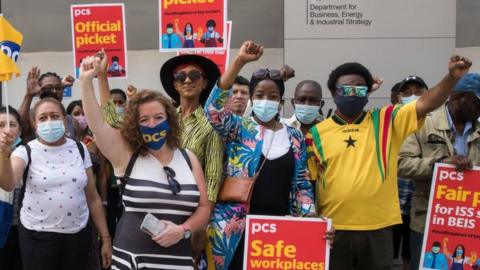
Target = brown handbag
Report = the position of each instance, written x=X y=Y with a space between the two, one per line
x=236 y=189
x=240 y=189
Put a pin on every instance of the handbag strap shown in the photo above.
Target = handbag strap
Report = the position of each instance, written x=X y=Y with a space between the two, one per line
x=266 y=155
x=258 y=172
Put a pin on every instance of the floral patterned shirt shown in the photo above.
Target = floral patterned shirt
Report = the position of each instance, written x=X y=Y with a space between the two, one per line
x=244 y=140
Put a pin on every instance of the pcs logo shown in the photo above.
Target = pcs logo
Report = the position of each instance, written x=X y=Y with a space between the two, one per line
x=156 y=137
x=10 y=49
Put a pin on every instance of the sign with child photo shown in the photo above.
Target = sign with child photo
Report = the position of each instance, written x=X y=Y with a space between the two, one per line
x=452 y=232
x=98 y=26
x=192 y=24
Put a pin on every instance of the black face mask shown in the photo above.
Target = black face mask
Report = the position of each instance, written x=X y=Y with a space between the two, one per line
x=350 y=106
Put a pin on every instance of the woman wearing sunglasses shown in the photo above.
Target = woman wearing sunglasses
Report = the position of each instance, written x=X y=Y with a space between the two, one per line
x=157 y=176
x=259 y=149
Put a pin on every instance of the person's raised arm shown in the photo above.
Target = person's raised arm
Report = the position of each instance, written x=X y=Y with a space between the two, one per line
x=109 y=140
x=457 y=67
x=249 y=52
x=103 y=87
x=33 y=89
x=217 y=109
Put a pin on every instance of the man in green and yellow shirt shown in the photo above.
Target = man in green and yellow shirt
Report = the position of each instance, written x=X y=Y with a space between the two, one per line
x=353 y=158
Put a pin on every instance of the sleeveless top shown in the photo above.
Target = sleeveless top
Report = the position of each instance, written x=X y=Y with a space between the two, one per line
x=147 y=191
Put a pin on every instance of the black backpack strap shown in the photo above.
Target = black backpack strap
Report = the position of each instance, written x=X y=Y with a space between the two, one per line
x=25 y=174
x=187 y=158
x=81 y=149
x=128 y=171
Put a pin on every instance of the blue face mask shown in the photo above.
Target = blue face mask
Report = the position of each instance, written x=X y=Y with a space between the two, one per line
x=51 y=131
x=210 y=29
x=120 y=110
x=306 y=114
x=17 y=141
x=155 y=137
x=188 y=29
x=265 y=109
x=169 y=30
x=350 y=105
x=406 y=100
x=435 y=249
x=459 y=252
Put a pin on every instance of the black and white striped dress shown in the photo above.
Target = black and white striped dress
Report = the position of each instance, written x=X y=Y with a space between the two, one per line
x=147 y=191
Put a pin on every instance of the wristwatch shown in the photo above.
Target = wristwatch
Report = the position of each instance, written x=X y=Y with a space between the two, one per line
x=187 y=233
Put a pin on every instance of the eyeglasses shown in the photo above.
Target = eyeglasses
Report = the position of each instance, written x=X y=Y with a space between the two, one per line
x=172 y=182
x=51 y=91
x=53 y=88
x=266 y=73
x=193 y=75
x=347 y=90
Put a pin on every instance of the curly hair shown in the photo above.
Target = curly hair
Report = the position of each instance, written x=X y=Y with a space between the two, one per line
x=349 y=69
x=130 y=128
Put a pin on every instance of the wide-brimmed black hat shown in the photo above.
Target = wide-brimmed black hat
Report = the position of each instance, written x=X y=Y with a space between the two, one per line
x=212 y=74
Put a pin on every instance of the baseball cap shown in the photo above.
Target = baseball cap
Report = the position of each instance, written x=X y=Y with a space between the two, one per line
x=412 y=78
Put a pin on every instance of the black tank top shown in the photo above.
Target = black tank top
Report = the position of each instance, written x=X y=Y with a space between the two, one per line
x=272 y=188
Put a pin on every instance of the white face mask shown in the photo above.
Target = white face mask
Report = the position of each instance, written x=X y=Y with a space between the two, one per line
x=265 y=109
x=406 y=100
x=306 y=114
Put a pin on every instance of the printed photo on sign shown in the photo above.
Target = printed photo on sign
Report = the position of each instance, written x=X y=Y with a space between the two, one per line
x=219 y=57
x=286 y=243
x=192 y=25
x=100 y=26
x=452 y=232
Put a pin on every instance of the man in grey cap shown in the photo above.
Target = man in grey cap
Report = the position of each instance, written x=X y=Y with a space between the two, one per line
x=451 y=134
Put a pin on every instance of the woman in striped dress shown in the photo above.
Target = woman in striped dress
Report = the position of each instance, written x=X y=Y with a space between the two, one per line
x=159 y=178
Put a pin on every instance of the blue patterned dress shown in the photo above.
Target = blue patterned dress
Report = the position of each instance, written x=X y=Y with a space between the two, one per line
x=244 y=139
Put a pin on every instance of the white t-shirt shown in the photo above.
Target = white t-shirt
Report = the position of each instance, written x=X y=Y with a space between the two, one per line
x=55 y=192
x=279 y=146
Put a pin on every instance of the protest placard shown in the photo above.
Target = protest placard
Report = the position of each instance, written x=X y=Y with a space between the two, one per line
x=452 y=231
x=286 y=243
x=192 y=24
x=98 y=26
x=219 y=57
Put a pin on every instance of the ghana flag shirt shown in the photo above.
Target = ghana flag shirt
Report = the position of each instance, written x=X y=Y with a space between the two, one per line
x=355 y=166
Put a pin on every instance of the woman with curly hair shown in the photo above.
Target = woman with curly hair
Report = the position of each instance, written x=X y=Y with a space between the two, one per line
x=158 y=178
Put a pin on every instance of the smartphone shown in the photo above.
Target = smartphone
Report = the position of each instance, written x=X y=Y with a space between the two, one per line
x=152 y=225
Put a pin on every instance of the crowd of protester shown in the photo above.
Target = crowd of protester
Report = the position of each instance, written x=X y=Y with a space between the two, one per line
x=82 y=179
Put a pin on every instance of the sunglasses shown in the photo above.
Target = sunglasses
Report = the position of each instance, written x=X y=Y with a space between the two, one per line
x=347 y=90
x=51 y=91
x=172 y=182
x=266 y=73
x=193 y=75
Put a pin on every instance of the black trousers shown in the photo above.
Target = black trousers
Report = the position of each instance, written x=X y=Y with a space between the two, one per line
x=49 y=250
x=362 y=250
x=401 y=237
x=10 y=257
